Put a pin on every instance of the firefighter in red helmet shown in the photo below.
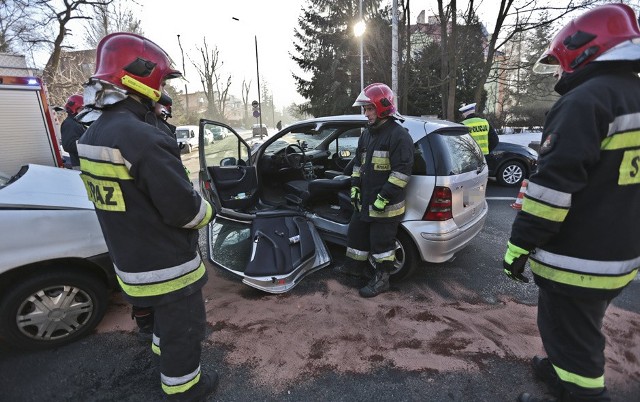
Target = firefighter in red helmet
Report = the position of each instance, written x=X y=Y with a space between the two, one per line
x=587 y=179
x=148 y=210
x=71 y=130
x=381 y=171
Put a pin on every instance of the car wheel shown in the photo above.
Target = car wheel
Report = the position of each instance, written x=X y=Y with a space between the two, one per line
x=52 y=309
x=511 y=174
x=406 y=257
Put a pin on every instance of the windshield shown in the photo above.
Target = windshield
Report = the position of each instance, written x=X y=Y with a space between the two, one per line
x=305 y=137
x=181 y=133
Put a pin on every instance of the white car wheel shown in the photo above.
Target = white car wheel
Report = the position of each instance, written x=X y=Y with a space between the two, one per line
x=52 y=308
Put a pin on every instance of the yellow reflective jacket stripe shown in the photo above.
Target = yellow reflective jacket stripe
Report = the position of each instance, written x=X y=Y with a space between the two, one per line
x=580 y=279
x=544 y=211
x=156 y=289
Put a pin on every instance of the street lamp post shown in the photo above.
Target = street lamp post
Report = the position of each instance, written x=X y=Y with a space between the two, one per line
x=255 y=37
x=358 y=30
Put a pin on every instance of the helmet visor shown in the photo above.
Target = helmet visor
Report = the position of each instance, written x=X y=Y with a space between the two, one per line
x=547 y=64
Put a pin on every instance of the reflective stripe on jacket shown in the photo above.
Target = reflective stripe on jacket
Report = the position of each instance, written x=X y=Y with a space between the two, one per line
x=479 y=130
x=147 y=208
x=383 y=165
x=580 y=211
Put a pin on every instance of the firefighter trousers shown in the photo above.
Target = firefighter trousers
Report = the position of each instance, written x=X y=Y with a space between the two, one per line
x=375 y=238
x=571 y=332
x=179 y=328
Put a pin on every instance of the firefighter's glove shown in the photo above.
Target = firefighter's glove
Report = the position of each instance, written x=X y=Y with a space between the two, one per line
x=355 y=198
x=514 y=261
x=380 y=203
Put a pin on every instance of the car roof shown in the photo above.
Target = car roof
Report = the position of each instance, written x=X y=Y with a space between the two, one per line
x=417 y=126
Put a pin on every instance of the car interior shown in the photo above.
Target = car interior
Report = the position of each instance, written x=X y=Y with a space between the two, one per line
x=303 y=168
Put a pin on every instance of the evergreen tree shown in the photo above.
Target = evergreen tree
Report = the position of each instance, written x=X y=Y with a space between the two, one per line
x=329 y=54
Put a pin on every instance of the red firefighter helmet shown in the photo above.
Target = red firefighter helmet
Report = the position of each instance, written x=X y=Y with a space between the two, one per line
x=380 y=96
x=589 y=36
x=136 y=64
x=74 y=104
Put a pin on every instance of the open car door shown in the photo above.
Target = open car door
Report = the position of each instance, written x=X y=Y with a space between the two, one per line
x=271 y=249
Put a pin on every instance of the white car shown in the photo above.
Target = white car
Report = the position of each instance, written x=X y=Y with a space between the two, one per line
x=55 y=270
x=278 y=200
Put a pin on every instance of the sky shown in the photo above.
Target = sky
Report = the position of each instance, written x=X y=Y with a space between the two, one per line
x=272 y=23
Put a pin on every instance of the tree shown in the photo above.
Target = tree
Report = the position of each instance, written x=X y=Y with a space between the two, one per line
x=246 y=87
x=16 y=25
x=326 y=50
x=110 y=18
x=215 y=89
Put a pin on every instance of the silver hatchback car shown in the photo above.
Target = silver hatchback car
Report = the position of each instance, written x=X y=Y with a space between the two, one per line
x=278 y=201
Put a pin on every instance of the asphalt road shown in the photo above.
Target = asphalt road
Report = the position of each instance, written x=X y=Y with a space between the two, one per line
x=116 y=367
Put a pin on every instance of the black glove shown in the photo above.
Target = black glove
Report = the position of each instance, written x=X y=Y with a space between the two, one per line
x=514 y=261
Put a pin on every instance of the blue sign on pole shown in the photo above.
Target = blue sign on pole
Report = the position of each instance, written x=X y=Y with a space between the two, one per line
x=256 y=113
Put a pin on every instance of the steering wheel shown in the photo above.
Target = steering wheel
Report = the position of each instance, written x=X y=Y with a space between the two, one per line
x=294 y=156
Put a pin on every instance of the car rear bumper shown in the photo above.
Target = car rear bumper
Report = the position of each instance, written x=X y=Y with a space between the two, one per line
x=438 y=242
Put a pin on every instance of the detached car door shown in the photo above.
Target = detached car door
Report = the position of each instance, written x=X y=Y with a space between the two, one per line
x=269 y=248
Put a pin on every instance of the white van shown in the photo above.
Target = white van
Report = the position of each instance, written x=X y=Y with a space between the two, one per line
x=187 y=137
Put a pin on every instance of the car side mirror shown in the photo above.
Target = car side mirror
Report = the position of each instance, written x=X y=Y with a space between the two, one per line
x=345 y=153
x=229 y=161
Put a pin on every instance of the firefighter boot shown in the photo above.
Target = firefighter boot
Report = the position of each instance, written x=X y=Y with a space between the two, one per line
x=199 y=392
x=144 y=320
x=545 y=372
x=380 y=281
x=351 y=267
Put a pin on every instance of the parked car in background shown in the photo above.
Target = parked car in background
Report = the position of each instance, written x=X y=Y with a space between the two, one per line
x=55 y=270
x=510 y=163
x=259 y=130
x=279 y=202
x=187 y=137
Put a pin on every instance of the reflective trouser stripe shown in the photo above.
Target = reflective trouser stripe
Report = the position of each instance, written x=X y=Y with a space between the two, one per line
x=174 y=385
x=385 y=256
x=357 y=255
x=581 y=381
x=155 y=344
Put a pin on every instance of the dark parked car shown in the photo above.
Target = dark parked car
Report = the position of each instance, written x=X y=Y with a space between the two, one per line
x=511 y=163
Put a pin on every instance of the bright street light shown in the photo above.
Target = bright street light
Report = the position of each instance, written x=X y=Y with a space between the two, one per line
x=358 y=31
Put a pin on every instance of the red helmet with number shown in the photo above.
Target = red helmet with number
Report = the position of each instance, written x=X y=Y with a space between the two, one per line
x=589 y=37
x=136 y=64
x=74 y=104
x=380 y=96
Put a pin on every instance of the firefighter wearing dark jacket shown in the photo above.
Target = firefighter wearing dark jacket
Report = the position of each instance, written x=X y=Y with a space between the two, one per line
x=71 y=130
x=148 y=210
x=480 y=129
x=381 y=172
x=579 y=224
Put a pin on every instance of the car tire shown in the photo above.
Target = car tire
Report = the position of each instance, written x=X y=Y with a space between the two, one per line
x=68 y=304
x=511 y=174
x=407 y=257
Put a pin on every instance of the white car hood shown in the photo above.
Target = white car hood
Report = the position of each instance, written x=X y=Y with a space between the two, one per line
x=46 y=187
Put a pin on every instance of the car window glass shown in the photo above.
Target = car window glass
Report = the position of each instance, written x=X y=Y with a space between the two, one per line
x=455 y=153
x=182 y=133
x=226 y=148
x=346 y=141
x=306 y=137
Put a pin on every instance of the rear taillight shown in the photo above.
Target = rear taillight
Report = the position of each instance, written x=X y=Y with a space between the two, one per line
x=439 y=208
